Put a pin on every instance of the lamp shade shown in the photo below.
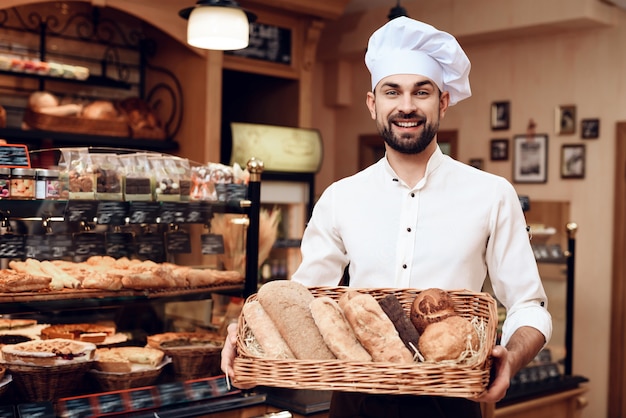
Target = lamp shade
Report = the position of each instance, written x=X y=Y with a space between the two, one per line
x=215 y=27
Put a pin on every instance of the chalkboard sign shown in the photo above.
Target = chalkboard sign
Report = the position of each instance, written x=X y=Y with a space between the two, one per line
x=173 y=212
x=150 y=247
x=110 y=403
x=77 y=408
x=198 y=212
x=81 y=210
x=267 y=43
x=143 y=212
x=142 y=399
x=37 y=247
x=87 y=244
x=6 y=411
x=61 y=245
x=14 y=155
x=112 y=213
x=120 y=244
x=12 y=245
x=178 y=242
x=212 y=244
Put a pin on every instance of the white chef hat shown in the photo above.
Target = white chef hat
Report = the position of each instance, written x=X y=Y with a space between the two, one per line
x=406 y=46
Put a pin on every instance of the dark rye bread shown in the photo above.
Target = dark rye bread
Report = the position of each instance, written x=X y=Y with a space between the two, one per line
x=287 y=303
x=408 y=333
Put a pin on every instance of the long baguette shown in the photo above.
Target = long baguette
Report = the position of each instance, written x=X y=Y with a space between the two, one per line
x=265 y=331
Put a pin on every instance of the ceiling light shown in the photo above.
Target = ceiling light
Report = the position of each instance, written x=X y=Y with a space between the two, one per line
x=218 y=24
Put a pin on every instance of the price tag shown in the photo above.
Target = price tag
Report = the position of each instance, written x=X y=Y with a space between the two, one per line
x=199 y=390
x=78 y=407
x=150 y=247
x=120 y=244
x=173 y=212
x=61 y=245
x=37 y=247
x=110 y=403
x=39 y=409
x=12 y=246
x=81 y=210
x=212 y=244
x=142 y=399
x=112 y=213
x=143 y=212
x=198 y=212
x=178 y=242
x=87 y=244
x=6 y=411
x=14 y=155
x=172 y=393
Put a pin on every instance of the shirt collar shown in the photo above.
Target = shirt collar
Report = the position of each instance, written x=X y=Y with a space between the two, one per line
x=434 y=161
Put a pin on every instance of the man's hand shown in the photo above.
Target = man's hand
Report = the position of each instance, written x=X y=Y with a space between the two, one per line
x=229 y=351
x=502 y=377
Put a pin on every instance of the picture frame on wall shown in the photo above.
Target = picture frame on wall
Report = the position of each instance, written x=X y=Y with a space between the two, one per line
x=590 y=128
x=500 y=115
x=530 y=158
x=565 y=120
x=573 y=161
x=499 y=150
x=477 y=163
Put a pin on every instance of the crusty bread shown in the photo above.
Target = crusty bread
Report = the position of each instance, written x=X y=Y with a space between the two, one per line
x=127 y=359
x=431 y=305
x=265 y=332
x=336 y=330
x=448 y=339
x=407 y=331
x=287 y=303
x=374 y=329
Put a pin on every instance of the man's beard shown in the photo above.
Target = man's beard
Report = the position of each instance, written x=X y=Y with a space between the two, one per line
x=408 y=144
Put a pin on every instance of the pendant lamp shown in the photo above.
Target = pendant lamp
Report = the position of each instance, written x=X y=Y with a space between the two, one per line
x=217 y=24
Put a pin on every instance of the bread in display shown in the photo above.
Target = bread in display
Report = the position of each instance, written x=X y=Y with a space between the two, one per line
x=127 y=359
x=93 y=333
x=11 y=324
x=336 y=331
x=430 y=306
x=168 y=340
x=287 y=304
x=374 y=329
x=407 y=331
x=448 y=339
x=49 y=352
x=265 y=332
x=12 y=280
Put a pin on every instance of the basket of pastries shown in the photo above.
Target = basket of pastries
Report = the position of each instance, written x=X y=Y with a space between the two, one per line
x=119 y=368
x=375 y=340
x=44 y=370
x=193 y=354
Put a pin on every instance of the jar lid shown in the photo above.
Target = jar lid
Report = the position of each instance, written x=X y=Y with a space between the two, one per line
x=23 y=172
x=44 y=172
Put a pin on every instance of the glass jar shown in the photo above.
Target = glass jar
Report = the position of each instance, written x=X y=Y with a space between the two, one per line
x=47 y=184
x=5 y=182
x=22 y=183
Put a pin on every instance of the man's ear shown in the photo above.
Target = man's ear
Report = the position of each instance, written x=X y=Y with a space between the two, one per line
x=444 y=103
x=370 y=101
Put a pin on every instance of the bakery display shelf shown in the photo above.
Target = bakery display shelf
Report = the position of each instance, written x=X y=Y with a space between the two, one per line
x=87 y=298
x=61 y=139
x=92 y=80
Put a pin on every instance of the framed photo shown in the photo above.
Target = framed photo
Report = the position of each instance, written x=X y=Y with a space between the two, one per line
x=500 y=115
x=565 y=120
x=573 y=161
x=499 y=149
x=530 y=159
x=590 y=128
x=477 y=163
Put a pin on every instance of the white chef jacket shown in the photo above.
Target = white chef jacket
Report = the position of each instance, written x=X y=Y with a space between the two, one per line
x=457 y=225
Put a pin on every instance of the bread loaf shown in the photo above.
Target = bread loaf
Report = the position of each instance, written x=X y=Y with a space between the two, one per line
x=336 y=330
x=374 y=329
x=287 y=304
x=265 y=331
x=406 y=330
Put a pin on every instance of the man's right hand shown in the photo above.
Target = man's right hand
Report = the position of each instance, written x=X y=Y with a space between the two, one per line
x=229 y=351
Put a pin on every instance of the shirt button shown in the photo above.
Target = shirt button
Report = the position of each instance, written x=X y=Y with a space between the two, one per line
x=542 y=303
x=412 y=194
x=404 y=266
x=408 y=229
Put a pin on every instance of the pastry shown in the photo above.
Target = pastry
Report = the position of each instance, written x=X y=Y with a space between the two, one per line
x=127 y=359
x=93 y=333
x=184 y=339
x=49 y=352
x=431 y=305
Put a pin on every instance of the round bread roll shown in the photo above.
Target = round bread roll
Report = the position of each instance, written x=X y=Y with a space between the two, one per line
x=101 y=109
x=448 y=339
x=430 y=306
x=287 y=304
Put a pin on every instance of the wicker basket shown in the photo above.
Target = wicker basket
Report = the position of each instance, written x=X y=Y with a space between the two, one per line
x=47 y=383
x=118 y=381
x=193 y=362
x=465 y=379
x=73 y=124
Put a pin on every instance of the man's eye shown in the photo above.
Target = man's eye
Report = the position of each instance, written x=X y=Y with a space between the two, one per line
x=391 y=93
